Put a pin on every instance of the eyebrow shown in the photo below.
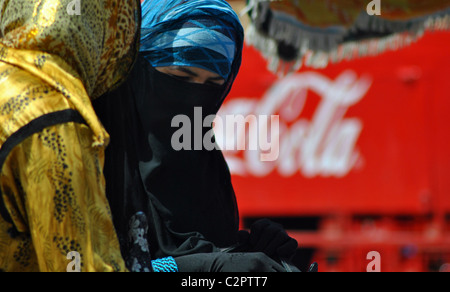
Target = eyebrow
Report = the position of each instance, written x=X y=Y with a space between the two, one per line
x=187 y=71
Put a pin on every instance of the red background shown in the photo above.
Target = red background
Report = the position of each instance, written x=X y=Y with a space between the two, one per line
x=404 y=144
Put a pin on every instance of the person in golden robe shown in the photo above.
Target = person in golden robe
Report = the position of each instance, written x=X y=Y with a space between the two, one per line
x=53 y=63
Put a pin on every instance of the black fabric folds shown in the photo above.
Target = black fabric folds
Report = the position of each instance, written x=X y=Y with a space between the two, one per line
x=186 y=195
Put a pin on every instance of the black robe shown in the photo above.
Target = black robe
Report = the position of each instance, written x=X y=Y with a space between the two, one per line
x=163 y=202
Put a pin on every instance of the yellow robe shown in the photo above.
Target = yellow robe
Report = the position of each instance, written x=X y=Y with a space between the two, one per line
x=52 y=194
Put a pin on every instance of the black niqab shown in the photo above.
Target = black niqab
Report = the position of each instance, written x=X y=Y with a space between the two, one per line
x=185 y=196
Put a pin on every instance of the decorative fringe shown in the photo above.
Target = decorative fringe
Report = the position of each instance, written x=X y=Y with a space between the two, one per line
x=317 y=48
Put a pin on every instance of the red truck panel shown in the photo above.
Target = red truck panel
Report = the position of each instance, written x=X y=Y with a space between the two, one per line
x=364 y=136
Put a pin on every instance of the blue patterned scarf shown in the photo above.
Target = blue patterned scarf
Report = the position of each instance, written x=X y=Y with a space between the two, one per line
x=197 y=33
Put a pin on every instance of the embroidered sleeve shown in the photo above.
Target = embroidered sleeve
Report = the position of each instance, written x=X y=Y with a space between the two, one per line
x=53 y=188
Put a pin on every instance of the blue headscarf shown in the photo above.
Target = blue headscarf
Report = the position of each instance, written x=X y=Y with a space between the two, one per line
x=197 y=33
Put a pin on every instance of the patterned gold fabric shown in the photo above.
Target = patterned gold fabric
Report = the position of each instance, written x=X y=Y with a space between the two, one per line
x=99 y=44
x=52 y=64
x=52 y=186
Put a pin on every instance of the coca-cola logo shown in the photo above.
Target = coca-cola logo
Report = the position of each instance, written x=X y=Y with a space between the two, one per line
x=321 y=145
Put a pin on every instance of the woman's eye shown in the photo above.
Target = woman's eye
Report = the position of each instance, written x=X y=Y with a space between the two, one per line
x=212 y=83
x=184 y=78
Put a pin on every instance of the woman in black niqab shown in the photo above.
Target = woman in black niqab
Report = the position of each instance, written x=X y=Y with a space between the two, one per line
x=175 y=205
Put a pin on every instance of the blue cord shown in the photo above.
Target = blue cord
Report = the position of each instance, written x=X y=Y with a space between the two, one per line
x=165 y=265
